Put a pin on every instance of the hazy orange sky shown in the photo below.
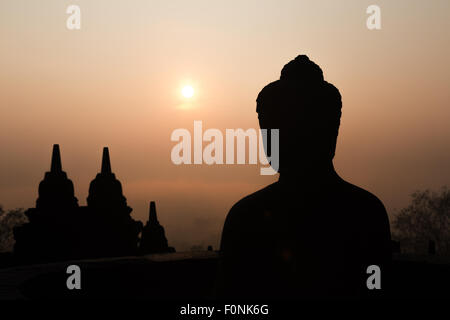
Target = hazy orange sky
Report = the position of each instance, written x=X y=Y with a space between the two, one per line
x=116 y=82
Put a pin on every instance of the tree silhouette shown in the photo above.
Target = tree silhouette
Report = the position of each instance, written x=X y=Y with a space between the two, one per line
x=8 y=220
x=426 y=218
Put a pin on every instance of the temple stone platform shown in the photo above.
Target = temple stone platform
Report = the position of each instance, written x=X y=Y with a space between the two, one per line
x=156 y=276
x=184 y=276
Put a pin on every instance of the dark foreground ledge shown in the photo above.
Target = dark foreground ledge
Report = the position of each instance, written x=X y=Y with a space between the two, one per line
x=181 y=276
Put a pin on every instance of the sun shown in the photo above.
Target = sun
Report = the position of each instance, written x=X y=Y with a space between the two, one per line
x=187 y=91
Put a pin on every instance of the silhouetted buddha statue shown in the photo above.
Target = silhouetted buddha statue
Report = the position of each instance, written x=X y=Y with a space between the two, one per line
x=153 y=239
x=311 y=234
x=48 y=235
x=112 y=230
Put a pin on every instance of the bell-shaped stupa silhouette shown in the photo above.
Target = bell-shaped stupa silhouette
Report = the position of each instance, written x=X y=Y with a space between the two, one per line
x=59 y=229
x=153 y=238
x=113 y=232
x=50 y=232
x=56 y=190
x=105 y=191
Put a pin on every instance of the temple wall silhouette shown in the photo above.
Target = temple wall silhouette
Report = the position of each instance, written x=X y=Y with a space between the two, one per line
x=60 y=229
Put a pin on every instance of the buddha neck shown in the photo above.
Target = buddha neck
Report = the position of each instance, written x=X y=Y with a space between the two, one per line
x=312 y=174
